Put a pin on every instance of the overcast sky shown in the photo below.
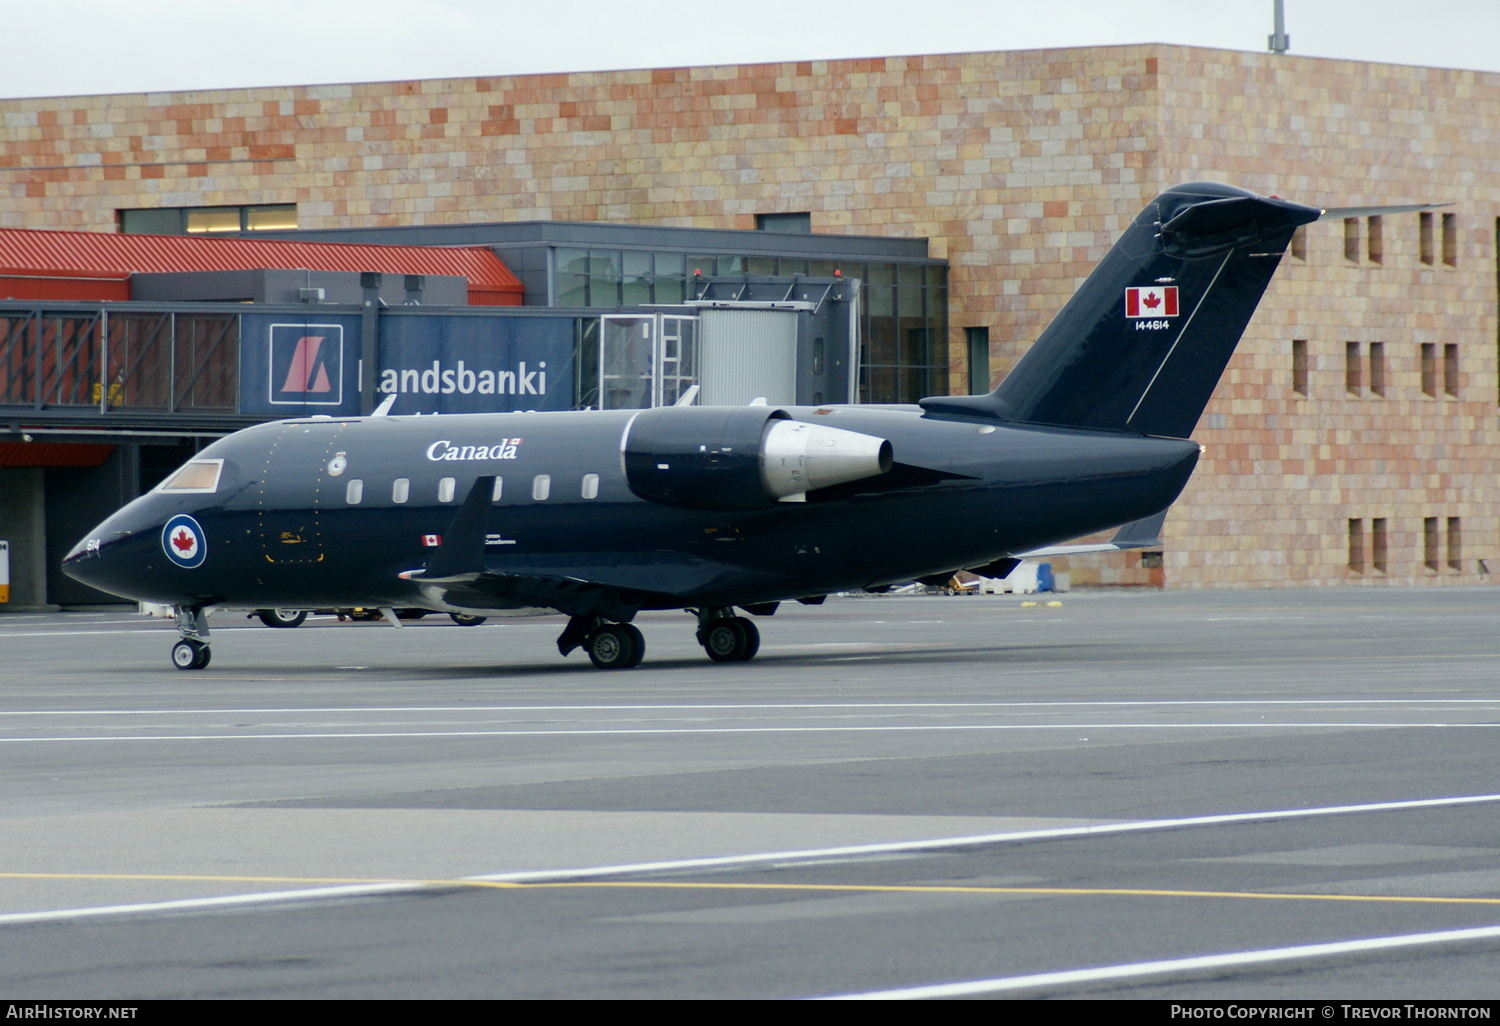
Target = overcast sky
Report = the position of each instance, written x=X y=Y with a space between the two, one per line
x=68 y=47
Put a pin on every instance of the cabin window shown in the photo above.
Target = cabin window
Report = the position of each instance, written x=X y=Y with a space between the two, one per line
x=200 y=476
x=590 y=486
x=499 y=485
x=446 y=488
x=541 y=487
x=401 y=490
x=354 y=492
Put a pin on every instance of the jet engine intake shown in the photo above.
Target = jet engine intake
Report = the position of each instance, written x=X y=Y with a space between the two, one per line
x=742 y=457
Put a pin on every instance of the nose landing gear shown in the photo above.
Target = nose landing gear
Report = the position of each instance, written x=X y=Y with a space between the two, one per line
x=192 y=652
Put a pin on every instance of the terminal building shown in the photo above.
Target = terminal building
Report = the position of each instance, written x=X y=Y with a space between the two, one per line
x=905 y=224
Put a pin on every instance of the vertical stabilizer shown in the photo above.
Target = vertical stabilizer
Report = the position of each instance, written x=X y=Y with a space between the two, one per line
x=1142 y=344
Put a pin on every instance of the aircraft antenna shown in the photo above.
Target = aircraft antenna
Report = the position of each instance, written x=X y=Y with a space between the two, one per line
x=1279 y=41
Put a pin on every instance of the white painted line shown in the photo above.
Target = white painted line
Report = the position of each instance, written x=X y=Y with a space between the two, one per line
x=655 y=731
x=755 y=858
x=1045 y=834
x=1173 y=965
x=191 y=904
x=769 y=706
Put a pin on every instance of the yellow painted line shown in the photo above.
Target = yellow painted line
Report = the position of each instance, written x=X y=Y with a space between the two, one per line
x=814 y=888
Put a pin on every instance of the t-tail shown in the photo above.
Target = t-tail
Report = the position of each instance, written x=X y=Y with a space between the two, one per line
x=1140 y=347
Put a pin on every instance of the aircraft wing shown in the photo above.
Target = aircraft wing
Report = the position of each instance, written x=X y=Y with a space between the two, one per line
x=1138 y=534
x=580 y=584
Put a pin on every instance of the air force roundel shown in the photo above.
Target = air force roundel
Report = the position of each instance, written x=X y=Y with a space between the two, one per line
x=184 y=542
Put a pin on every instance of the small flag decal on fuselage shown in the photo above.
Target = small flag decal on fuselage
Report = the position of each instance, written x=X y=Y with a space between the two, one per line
x=1151 y=301
x=432 y=541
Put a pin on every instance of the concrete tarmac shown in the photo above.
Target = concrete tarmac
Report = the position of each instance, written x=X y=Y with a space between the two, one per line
x=1267 y=794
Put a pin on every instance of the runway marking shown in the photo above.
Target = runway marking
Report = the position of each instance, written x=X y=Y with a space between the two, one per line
x=691 y=885
x=823 y=729
x=760 y=858
x=1171 y=965
x=701 y=706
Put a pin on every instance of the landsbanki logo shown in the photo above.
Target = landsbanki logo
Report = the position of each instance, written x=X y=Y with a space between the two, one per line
x=307 y=364
x=461 y=379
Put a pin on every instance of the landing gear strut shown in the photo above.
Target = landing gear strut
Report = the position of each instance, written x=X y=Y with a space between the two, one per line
x=727 y=638
x=611 y=646
x=192 y=652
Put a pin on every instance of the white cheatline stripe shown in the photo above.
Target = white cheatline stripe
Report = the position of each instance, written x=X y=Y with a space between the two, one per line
x=358 y=735
x=757 y=858
x=1172 y=965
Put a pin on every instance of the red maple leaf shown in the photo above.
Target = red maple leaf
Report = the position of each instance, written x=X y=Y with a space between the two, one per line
x=183 y=540
x=1151 y=301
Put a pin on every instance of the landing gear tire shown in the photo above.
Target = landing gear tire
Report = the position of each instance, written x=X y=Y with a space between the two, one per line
x=467 y=620
x=732 y=639
x=282 y=617
x=616 y=646
x=190 y=655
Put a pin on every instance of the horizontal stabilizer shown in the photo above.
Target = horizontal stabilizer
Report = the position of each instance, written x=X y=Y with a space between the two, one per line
x=1335 y=213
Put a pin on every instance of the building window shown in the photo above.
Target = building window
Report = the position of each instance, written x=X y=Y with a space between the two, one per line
x=1357 y=545
x=1374 y=242
x=274 y=217
x=1353 y=376
x=1429 y=368
x=1424 y=237
x=1450 y=369
x=1299 y=366
x=1455 y=544
x=1377 y=368
x=979 y=360
x=800 y=223
x=1351 y=239
x=1430 y=542
x=1378 y=544
x=1299 y=243
x=1450 y=239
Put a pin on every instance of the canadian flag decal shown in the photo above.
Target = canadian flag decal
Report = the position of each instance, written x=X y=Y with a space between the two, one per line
x=432 y=541
x=1151 y=301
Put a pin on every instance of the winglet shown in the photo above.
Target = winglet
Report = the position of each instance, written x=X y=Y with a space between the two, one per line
x=462 y=552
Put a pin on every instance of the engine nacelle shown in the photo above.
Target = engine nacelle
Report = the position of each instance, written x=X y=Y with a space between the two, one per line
x=741 y=457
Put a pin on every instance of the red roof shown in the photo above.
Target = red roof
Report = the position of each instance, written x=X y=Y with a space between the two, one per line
x=48 y=254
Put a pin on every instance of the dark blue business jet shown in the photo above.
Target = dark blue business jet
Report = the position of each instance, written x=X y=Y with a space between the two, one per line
x=601 y=514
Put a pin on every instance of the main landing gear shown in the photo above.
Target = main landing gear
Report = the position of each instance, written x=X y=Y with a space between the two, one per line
x=619 y=646
x=192 y=652
x=725 y=637
x=611 y=646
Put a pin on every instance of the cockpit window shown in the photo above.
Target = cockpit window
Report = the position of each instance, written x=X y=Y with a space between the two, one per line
x=194 y=476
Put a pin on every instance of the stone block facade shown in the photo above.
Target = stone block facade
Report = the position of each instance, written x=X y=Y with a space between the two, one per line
x=1352 y=438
